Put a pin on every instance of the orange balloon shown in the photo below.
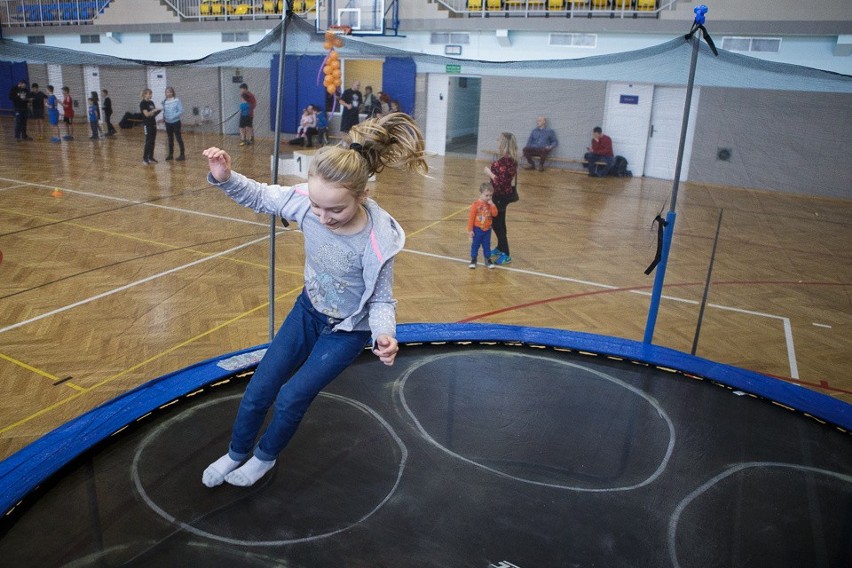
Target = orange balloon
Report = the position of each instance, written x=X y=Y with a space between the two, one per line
x=338 y=41
x=337 y=82
x=327 y=45
x=333 y=56
x=327 y=69
x=336 y=73
x=330 y=89
x=335 y=64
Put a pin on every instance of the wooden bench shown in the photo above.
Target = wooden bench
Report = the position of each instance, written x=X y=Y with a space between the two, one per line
x=559 y=160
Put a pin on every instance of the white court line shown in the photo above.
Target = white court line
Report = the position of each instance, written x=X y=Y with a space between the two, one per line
x=130 y=285
x=148 y=204
x=788 y=330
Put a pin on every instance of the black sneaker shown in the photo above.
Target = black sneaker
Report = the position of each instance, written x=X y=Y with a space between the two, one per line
x=169 y=157
x=153 y=161
x=181 y=158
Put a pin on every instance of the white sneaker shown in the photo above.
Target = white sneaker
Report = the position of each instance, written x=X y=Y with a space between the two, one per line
x=472 y=265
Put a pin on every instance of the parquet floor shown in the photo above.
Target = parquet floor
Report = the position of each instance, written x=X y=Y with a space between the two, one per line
x=114 y=273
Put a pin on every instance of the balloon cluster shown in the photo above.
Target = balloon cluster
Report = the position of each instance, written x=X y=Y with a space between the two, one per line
x=331 y=65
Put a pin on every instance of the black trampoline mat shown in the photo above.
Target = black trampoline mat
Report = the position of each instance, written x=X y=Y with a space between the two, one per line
x=466 y=456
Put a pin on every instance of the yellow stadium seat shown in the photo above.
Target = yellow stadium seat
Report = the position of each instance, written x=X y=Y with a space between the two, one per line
x=216 y=8
x=646 y=4
x=622 y=3
x=555 y=4
x=310 y=5
x=474 y=5
x=204 y=8
x=600 y=3
x=494 y=4
x=242 y=9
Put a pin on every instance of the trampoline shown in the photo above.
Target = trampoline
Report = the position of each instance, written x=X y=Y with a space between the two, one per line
x=483 y=446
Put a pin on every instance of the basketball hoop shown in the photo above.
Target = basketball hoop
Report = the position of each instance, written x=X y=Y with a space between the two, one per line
x=340 y=29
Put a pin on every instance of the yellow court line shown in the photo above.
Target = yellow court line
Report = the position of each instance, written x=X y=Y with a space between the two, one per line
x=139 y=239
x=142 y=364
x=39 y=372
x=430 y=225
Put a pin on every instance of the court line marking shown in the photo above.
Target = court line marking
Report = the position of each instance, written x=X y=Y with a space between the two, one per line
x=146 y=203
x=143 y=363
x=131 y=285
x=786 y=327
x=39 y=372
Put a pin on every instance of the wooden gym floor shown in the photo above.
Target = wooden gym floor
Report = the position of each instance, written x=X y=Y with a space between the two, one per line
x=114 y=273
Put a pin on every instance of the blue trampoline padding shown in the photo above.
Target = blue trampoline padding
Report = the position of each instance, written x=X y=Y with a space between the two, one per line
x=23 y=471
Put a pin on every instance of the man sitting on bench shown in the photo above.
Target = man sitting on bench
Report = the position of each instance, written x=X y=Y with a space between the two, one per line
x=541 y=141
x=601 y=151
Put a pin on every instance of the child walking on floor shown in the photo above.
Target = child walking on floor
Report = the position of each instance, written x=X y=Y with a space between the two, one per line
x=482 y=211
x=347 y=300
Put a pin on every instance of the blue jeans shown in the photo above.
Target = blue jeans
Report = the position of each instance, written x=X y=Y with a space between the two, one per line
x=303 y=358
x=483 y=239
x=594 y=169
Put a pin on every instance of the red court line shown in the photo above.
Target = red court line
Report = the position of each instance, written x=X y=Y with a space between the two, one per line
x=821 y=385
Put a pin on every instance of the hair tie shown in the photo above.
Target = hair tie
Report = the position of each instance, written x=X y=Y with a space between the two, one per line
x=357 y=147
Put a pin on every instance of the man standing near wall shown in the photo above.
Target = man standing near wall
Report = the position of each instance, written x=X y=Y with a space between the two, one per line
x=540 y=143
x=20 y=97
x=248 y=130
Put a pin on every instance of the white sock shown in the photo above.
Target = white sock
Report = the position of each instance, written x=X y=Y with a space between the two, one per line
x=215 y=473
x=250 y=472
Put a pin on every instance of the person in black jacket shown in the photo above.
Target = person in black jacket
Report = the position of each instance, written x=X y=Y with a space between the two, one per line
x=20 y=97
x=106 y=105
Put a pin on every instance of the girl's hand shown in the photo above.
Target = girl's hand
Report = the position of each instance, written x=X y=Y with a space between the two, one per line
x=470 y=234
x=386 y=349
x=219 y=162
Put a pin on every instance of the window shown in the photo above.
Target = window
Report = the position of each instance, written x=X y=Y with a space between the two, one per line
x=35 y=39
x=752 y=44
x=90 y=38
x=162 y=38
x=574 y=40
x=229 y=37
x=451 y=38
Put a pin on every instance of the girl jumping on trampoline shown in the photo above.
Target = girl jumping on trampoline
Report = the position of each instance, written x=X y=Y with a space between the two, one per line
x=347 y=299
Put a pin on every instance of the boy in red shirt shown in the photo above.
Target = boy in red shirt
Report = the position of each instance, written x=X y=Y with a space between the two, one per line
x=68 y=113
x=482 y=211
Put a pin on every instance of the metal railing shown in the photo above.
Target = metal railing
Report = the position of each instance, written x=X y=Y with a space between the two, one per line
x=205 y=10
x=50 y=12
x=80 y=12
x=15 y=13
x=559 y=8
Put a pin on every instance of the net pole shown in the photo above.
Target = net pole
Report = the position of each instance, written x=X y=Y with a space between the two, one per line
x=276 y=152
x=671 y=216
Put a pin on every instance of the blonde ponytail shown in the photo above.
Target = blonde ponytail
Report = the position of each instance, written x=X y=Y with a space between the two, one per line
x=393 y=140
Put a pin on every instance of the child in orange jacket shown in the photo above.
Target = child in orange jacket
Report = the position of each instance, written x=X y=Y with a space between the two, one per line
x=482 y=211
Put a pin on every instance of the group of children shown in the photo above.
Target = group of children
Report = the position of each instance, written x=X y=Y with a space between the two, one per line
x=314 y=122
x=63 y=111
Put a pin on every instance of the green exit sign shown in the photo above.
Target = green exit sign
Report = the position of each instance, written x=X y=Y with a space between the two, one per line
x=453 y=68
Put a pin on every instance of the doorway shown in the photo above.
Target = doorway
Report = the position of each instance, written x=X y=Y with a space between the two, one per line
x=463 y=96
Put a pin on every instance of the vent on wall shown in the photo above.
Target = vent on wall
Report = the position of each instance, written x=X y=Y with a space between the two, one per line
x=752 y=44
x=438 y=38
x=723 y=154
x=574 y=40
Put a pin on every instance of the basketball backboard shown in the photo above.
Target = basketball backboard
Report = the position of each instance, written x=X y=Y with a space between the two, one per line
x=364 y=17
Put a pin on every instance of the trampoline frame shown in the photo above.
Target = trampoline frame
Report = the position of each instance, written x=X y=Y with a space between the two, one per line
x=24 y=471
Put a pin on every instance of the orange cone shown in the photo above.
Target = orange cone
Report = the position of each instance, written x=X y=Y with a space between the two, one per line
x=57 y=192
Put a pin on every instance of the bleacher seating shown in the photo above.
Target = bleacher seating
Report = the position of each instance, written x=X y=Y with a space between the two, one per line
x=61 y=12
